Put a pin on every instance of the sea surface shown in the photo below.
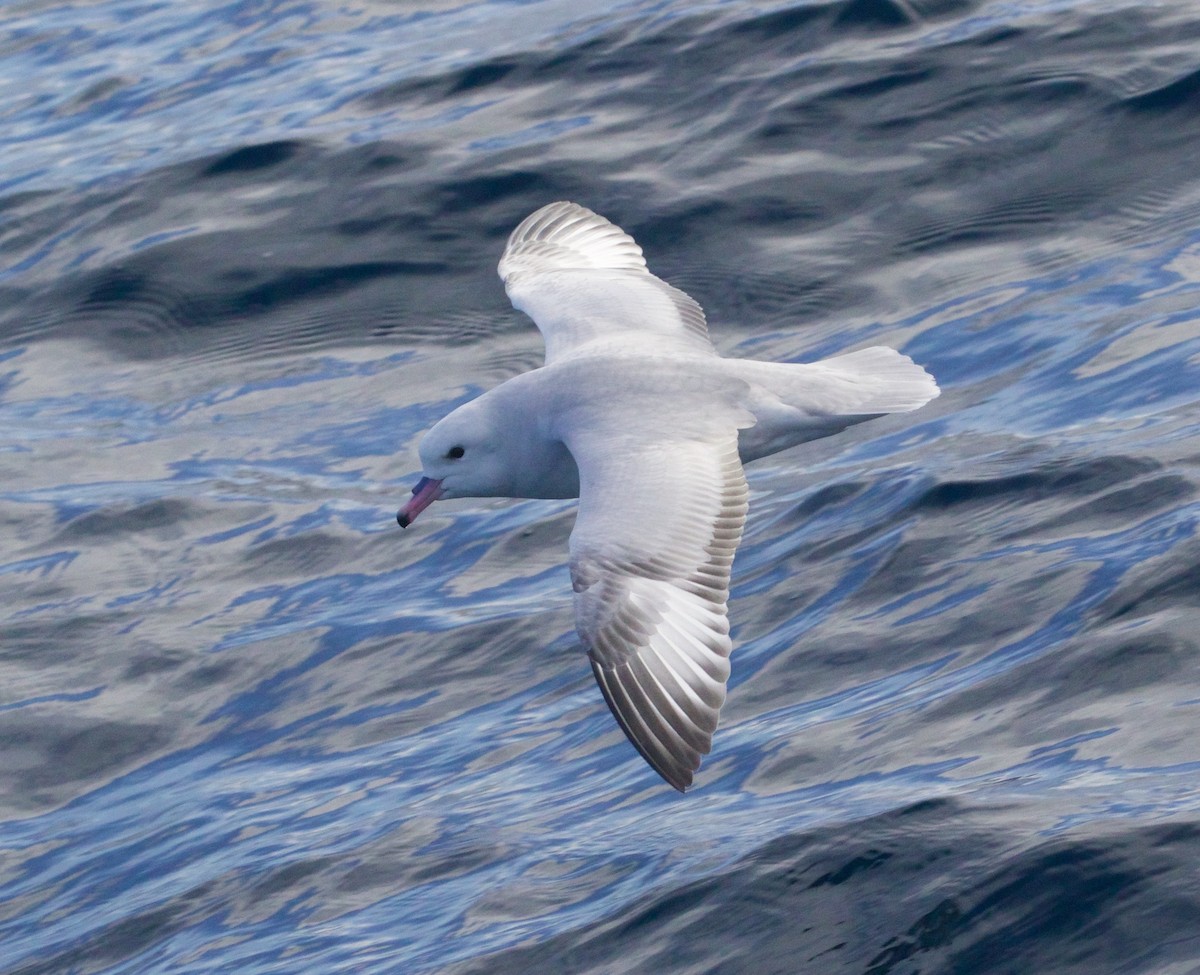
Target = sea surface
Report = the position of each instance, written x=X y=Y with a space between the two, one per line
x=247 y=255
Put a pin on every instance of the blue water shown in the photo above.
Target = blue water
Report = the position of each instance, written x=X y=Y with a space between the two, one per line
x=247 y=255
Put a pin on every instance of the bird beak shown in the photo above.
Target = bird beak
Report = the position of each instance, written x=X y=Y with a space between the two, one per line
x=425 y=493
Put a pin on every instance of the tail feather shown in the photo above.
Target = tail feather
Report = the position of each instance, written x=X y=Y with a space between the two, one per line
x=796 y=402
x=877 y=380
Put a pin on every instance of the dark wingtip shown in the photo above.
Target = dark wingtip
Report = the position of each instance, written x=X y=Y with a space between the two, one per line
x=677 y=776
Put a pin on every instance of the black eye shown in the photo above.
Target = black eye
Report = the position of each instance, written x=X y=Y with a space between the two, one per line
x=455 y=452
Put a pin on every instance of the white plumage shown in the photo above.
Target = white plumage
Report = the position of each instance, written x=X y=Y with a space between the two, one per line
x=635 y=411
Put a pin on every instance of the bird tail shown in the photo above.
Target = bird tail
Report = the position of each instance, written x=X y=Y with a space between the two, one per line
x=796 y=402
x=876 y=380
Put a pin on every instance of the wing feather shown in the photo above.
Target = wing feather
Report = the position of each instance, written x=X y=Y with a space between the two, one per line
x=647 y=745
x=584 y=282
x=651 y=577
x=566 y=236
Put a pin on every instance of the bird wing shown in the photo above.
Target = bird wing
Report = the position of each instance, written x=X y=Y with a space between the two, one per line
x=659 y=520
x=584 y=282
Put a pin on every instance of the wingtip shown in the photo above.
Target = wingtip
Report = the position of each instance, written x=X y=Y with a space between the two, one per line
x=676 y=775
x=567 y=235
x=678 y=779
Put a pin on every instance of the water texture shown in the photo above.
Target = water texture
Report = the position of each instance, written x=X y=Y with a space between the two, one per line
x=247 y=255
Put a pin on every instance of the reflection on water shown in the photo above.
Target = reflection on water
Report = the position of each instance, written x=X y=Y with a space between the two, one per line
x=249 y=255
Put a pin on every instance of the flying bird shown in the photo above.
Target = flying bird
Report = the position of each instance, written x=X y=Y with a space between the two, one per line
x=636 y=414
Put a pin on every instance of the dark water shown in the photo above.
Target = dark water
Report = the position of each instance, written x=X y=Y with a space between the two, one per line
x=247 y=254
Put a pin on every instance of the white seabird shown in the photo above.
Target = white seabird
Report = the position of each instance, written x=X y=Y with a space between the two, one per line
x=636 y=414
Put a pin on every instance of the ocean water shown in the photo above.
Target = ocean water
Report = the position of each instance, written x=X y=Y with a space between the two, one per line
x=247 y=255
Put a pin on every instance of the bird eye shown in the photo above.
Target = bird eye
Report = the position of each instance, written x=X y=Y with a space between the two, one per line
x=455 y=452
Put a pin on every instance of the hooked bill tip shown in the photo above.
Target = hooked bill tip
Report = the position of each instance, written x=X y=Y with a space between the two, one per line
x=427 y=491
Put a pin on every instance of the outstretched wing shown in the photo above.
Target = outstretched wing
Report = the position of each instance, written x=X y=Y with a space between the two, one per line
x=584 y=282
x=650 y=560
